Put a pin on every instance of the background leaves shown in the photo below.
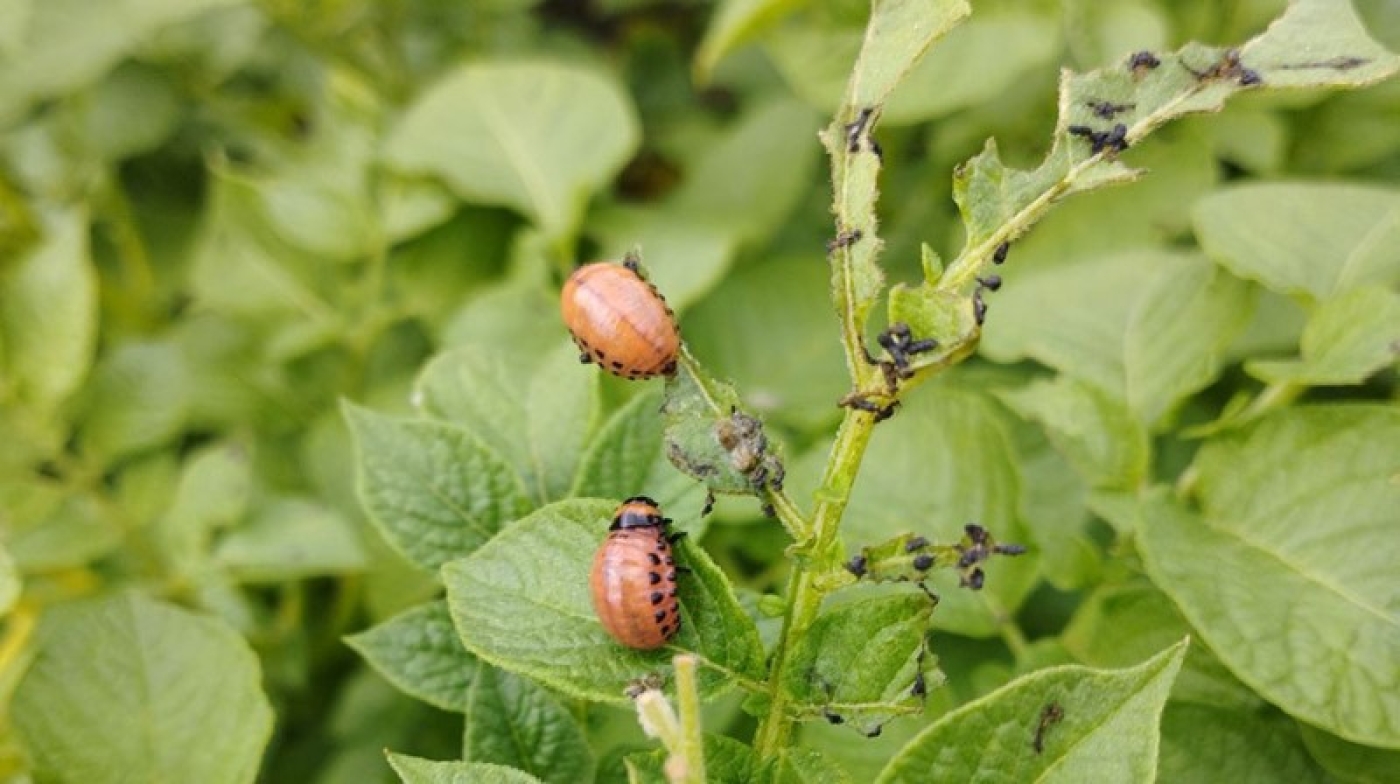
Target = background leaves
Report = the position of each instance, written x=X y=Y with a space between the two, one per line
x=219 y=220
x=507 y=150
x=1282 y=505
x=1107 y=727
x=188 y=685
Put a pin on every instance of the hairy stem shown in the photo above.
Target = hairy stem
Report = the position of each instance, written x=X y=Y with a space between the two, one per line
x=692 y=748
x=804 y=592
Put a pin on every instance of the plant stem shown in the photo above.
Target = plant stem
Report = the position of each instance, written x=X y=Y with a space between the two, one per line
x=692 y=748
x=805 y=597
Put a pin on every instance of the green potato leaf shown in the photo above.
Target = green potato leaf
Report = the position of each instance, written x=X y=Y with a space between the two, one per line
x=1314 y=240
x=539 y=137
x=522 y=603
x=859 y=661
x=1094 y=430
x=512 y=721
x=1107 y=728
x=538 y=415
x=1202 y=743
x=413 y=770
x=1286 y=571
x=433 y=490
x=1148 y=328
x=48 y=315
x=131 y=685
x=418 y=651
x=1350 y=762
x=1349 y=337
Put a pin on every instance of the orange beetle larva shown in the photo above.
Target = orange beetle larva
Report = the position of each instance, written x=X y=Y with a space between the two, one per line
x=620 y=321
x=634 y=577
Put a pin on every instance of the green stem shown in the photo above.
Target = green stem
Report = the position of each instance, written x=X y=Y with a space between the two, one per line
x=1273 y=396
x=692 y=748
x=854 y=211
x=804 y=591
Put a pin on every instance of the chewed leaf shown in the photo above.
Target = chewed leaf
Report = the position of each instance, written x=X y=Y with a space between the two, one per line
x=1316 y=43
x=897 y=36
x=710 y=438
x=1319 y=43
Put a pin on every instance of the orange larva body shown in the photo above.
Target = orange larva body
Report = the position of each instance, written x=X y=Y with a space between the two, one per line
x=634 y=578
x=620 y=321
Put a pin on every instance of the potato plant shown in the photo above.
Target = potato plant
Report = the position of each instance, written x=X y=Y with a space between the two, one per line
x=1034 y=415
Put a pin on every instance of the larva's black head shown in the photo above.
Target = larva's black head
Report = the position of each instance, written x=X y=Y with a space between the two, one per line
x=638 y=512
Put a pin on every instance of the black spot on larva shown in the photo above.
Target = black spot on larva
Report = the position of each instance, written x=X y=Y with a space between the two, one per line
x=616 y=365
x=670 y=561
x=671 y=576
x=655 y=559
x=659 y=615
x=923 y=562
x=657 y=596
x=653 y=577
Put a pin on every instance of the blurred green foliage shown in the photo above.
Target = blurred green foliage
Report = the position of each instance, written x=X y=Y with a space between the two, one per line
x=219 y=219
